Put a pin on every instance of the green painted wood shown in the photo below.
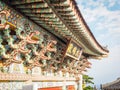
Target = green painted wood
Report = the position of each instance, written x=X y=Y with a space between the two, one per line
x=33 y=5
x=25 y=1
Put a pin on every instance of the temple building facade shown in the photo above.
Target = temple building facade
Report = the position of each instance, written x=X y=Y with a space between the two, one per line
x=114 y=85
x=44 y=45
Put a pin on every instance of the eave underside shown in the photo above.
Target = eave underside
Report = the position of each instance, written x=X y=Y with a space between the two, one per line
x=63 y=19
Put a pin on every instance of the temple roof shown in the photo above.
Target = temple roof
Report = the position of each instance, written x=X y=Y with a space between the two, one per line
x=112 y=85
x=63 y=19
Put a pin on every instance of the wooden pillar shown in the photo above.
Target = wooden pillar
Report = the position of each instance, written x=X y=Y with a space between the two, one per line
x=80 y=54
x=80 y=83
x=64 y=85
x=80 y=80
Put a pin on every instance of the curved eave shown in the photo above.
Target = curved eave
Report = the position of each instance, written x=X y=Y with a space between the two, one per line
x=84 y=34
x=92 y=39
x=64 y=19
x=88 y=35
x=111 y=84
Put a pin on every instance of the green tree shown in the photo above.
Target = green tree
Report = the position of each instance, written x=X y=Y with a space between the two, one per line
x=88 y=88
x=87 y=80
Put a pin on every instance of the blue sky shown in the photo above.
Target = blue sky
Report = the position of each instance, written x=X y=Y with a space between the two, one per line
x=103 y=18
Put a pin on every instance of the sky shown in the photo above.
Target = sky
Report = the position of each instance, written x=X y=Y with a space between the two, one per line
x=103 y=18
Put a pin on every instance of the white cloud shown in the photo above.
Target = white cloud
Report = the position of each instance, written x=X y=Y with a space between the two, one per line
x=101 y=17
x=111 y=3
x=106 y=70
x=105 y=25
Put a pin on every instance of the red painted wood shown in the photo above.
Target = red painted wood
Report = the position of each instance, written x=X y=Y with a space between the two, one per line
x=51 y=88
x=71 y=87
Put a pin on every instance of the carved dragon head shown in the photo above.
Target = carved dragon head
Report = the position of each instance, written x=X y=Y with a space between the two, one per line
x=5 y=14
x=35 y=35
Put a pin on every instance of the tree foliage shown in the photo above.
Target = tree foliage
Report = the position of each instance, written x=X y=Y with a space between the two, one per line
x=87 y=80
x=88 y=88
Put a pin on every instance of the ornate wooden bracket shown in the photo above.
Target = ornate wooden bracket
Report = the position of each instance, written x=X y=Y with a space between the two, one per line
x=20 y=48
x=41 y=55
x=4 y=24
x=12 y=59
x=3 y=16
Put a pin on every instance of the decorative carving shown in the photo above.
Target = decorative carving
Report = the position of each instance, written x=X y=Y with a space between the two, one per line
x=34 y=49
x=6 y=33
x=12 y=59
x=44 y=54
x=54 y=65
x=51 y=46
x=10 y=41
x=5 y=69
x=2 y=49
x=20 y=48
x=36 y=63
x=3 y=16
x=31 y=37
x=72 y=67
x=20 y=33
x=23 y=45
